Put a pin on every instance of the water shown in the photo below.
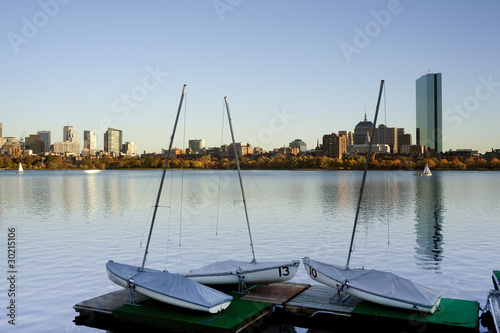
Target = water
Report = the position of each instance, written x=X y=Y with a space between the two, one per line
x=441 y=231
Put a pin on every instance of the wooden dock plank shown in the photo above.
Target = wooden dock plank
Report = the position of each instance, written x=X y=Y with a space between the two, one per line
x=109 y=302
x=276 y=293
x=321 y=298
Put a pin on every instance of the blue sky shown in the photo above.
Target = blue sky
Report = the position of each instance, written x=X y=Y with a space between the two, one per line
x=290 y=69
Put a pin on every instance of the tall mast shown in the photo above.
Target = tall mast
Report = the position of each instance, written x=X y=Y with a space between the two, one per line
x=163 y=177
x=364 y=173
x=241 y=182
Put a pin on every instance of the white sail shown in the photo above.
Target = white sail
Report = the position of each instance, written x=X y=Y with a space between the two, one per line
x=20 y=171
x=427 y=171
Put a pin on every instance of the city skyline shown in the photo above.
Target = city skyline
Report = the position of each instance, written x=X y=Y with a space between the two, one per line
x=290 y=69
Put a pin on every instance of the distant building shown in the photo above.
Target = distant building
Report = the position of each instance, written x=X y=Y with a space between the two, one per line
x=404 y=139
x=10 y=146
x=67 y=148
x=46 y=136
x=70 y=134
x=129 y=148
x=362 y=132
x=113 y=140
x=349 y=136
x=388 y=136
x=173 y=151
x=287 y=151
x=429 y=112
x=89 y=141
x=197 y=146
x=0 y=130
x=363 y=149
x=35 y=143
x=334 y=145
x=243 y=150
x=299 y=144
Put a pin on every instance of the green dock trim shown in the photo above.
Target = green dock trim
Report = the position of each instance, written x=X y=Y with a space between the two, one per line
x=496 y=279
x=239 y=314
x=452 y=312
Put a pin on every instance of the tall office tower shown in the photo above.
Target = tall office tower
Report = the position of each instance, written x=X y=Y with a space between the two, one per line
x=362 y=132
x=197 y=145
x=0 y=130
x=70 y=134
x=429 y=112
x=89 y=140
x=113 y=139
x=45 y=137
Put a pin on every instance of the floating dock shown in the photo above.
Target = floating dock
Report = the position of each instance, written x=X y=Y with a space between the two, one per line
x=296 y=304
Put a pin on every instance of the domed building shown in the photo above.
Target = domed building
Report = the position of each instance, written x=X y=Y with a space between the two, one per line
x=362 y=132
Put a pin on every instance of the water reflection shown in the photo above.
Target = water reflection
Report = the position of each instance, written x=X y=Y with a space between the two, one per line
x=429 y=206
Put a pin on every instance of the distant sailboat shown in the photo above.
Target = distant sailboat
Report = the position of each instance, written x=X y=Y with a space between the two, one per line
x=20 y=171
x=380 y=287
x=427 y=171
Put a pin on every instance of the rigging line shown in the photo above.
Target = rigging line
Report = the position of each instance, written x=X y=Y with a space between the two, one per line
x=220 y=171
x=182 y=174
x=132 y=216
x=148 y=218
x=270 y=210
x=336 y=202
x=387 y=181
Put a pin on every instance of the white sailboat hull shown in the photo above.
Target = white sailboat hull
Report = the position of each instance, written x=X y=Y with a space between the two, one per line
x=171 y=291
x=233 y=272
x=316 y=271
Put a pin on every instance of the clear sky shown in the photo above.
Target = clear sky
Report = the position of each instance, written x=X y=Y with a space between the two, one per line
x=291 y=69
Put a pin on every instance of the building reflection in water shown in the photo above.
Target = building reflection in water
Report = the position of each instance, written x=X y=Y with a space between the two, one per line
x=429 y=206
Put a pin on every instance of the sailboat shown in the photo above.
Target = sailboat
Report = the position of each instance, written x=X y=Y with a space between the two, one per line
x=379 y=287
x=427 y=171
x=163 y=286
x=243 y=272
x=20 y=171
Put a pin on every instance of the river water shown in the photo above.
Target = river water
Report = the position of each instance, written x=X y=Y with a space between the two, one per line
x=441 y=231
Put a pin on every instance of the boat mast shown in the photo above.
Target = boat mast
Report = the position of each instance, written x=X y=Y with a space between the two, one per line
x=241 y=182
x=163 y=177
x=364 y=174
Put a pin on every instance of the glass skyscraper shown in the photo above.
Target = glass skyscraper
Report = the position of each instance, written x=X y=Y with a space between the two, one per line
x=429 y=112
x=113 y=141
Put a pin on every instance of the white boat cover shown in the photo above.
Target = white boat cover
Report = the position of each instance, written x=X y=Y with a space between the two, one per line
x=169 y=284
x=383 y=284
x=235 y=267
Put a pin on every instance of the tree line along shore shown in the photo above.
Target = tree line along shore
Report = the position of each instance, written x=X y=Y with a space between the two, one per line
x=278 y=162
